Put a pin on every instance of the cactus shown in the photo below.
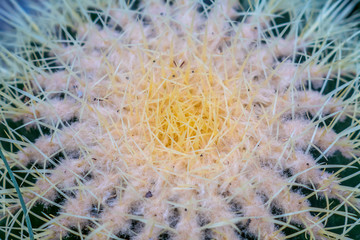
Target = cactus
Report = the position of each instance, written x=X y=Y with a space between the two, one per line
x=180 y=120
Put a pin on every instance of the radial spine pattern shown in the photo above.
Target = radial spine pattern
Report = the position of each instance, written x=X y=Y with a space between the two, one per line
x=182 y=119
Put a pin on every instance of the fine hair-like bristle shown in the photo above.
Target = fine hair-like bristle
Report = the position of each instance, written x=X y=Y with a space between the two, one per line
x=180 y=119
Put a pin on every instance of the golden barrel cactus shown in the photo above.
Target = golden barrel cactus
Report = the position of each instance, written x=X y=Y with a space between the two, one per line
x=180 y=120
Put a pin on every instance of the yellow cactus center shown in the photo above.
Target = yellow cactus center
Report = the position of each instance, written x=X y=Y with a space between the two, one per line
x=184 y=116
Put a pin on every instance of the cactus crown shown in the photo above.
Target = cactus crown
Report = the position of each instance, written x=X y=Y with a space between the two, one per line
x=181 y=119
